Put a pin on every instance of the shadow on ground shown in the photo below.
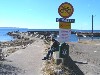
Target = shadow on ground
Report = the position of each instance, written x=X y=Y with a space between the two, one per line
x=6 y=69
x=73 y=67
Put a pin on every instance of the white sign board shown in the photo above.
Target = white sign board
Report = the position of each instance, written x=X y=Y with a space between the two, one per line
x=64 y=35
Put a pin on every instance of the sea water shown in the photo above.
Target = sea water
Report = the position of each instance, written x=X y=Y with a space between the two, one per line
x=5 y=37
x=4 y=31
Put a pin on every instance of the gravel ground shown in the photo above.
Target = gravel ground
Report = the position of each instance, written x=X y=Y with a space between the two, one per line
x=86 y=55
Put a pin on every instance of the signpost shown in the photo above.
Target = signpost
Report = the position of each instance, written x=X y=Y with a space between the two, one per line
x=65 y=10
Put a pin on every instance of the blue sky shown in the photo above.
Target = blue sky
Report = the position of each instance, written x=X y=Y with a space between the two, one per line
x=42 y=14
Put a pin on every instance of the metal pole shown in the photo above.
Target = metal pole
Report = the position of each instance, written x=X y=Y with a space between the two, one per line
x=92 y=27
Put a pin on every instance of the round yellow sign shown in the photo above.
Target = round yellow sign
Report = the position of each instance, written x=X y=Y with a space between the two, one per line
x=65 y=10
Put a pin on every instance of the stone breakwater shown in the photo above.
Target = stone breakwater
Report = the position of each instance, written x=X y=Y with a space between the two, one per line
x=21 y=41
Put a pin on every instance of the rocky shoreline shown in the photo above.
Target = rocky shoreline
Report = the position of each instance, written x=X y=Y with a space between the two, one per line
x=20 y=42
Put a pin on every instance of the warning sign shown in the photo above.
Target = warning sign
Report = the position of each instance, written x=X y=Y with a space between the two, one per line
x=64 y=35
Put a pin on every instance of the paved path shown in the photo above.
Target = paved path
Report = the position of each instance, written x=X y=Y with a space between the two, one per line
x=29 y=59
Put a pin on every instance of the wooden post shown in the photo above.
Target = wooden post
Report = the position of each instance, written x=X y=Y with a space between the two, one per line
x=92 y=27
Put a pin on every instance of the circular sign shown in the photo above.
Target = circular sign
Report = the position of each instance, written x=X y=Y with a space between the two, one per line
x=65 y=10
